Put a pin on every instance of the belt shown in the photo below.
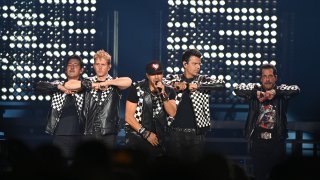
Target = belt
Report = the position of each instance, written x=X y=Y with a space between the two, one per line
x=187 y=130
x=265 y=135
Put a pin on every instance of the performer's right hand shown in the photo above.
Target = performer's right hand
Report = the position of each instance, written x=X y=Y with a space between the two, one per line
x=181 y=86
x=153 y=139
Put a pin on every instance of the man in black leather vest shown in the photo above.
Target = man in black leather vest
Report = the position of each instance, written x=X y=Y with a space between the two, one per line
x=64 y=120
x=149 y=106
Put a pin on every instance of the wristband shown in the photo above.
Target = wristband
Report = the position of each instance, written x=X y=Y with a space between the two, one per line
x=141 y=130
x=164 y=97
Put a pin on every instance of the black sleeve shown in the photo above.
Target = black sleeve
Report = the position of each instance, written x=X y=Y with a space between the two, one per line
x=171 y=93
x=46 y=87
x=132 y=95
x=86 y=84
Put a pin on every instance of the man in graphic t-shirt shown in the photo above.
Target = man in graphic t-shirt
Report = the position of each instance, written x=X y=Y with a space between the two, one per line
x=266 y=126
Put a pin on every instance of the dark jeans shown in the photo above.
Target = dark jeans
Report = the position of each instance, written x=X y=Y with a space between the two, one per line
x=136 y=142
x=186 y=146
x=265 y=155
x=67 y=144
x=108 y=140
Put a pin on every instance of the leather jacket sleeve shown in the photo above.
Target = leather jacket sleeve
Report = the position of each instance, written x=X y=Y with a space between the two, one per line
x=287 y=91
x=248 y=91
x=210 y=83
x=43 y=87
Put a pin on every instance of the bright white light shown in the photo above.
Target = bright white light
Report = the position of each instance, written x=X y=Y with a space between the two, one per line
x=236 y=62
x=221 y=32
x=4 y=97
x=11 y=90
x=273 y=25
x=93 y=9
x=266 y=40
x=214 y=47
x=258 y=33
x=244 y=18
x=169 y=70
x=258 y=63
x=243 y=62
x=33 y=97
x=259 y=10
x=92 y=31
x=273 y=62
x=273 y=40
x=40 y=97
x=236 y=33
x=258 y=55
x=235 y=55
x=258 y=40
x=11 y=97
x=250 y=63
x=222 y=10
x=4 y=67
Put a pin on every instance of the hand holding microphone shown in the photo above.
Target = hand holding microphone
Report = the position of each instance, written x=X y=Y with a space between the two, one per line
x=159 y=86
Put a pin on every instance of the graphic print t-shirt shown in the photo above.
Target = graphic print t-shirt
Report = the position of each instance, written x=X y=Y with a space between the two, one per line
x=267 y=116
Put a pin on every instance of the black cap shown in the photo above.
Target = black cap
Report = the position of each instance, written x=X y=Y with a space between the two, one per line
x=154 y=67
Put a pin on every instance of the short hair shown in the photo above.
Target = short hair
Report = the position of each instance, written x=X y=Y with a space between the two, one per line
x=77 y=58
x=102 y=54
x=190 y=52
x=268 y=66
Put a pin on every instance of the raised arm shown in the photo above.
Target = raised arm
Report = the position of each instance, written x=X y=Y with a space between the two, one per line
x=246 y=91
x=210 y=83
x=121 y=82
x=43 y=87
x=287 y=91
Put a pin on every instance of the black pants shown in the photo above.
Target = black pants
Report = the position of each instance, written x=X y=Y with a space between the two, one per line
x=186 y=146
x=67 y=144
x=136 y=142
x=265 y=155
x=108 y=140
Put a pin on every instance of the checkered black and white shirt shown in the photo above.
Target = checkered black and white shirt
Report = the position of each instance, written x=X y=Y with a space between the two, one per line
x=199 y=98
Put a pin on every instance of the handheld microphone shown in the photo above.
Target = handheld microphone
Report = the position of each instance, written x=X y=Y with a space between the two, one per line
x=159 y=88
